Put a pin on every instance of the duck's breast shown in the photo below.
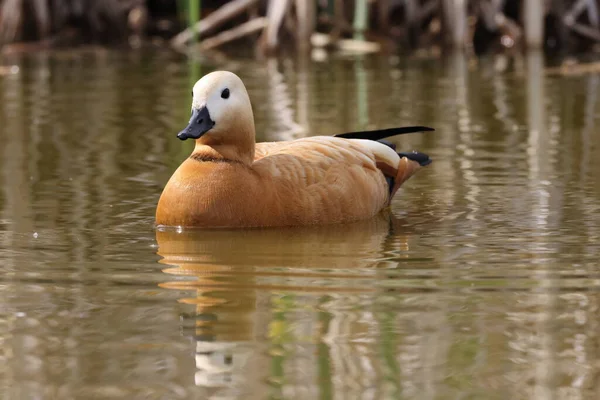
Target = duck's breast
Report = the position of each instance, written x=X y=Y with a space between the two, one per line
x=211 y=194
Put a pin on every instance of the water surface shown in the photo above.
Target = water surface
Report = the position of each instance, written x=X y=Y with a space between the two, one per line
x=481 y=282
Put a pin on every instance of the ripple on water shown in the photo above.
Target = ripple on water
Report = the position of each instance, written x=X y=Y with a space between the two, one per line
x=481 y=281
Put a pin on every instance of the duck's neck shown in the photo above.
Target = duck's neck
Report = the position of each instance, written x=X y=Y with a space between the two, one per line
x=239 y=149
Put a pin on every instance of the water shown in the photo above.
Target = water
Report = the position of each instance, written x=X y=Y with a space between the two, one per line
x=481 y=282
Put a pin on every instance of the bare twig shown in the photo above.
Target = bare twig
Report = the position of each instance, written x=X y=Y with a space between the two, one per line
x=586 y=31
x=570 y=19
x=238 y=32
x=226 y=12
x=574 y=12
x=592 y=8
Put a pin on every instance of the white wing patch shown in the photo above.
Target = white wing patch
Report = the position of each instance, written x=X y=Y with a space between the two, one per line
x=381 y=152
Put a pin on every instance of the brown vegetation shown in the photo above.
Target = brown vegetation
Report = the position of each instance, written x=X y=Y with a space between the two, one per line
x=481 y=25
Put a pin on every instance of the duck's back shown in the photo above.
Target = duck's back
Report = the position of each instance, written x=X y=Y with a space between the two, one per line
x=323 y=179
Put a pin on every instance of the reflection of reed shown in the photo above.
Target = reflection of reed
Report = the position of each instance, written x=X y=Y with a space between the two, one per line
x=591 y=102
x=77 y=193
x=282 y=104
x=65 y=160
x=540 y=158
x=465 y=127
x=362 y=94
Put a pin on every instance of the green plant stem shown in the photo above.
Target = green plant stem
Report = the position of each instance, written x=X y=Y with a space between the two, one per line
x=193 y=16
x=361 y=13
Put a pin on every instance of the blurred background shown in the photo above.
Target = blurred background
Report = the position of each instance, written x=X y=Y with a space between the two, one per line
x=477 y=25
x=481 y=280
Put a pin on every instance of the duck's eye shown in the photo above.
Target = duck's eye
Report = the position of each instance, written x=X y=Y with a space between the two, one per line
x=225 y=93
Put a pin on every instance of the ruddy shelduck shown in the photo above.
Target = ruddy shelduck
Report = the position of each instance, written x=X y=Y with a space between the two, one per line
x=229 y=180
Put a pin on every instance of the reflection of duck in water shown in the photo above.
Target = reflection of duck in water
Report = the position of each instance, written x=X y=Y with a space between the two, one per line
x=230 y=181
x=328 y=246
x=241 y=276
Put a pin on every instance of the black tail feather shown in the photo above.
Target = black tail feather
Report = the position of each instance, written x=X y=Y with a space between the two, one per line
x=380 y=134
x=383 y=133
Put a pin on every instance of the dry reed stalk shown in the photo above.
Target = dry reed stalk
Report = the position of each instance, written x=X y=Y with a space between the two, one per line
x=11 y=19
x=361 y=19
x=103 y=19
x=570 y=19
x=455 y=13
x=533 y=21
x=306 y=14
x=42 y=17
x=212 y=21
x=383 y=15
x=586 y=31
x=275 y=14
x=411 y=21
x=245 y=29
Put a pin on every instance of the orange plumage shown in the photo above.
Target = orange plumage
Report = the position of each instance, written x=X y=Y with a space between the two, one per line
x=230 y=181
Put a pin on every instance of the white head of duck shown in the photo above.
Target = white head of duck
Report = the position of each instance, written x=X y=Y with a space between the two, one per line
x=231 y=181
x=221 y=106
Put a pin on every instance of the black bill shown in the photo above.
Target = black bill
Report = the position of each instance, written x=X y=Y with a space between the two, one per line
x=200 y=123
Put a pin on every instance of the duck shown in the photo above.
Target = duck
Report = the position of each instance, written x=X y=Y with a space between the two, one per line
x=230 y=181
